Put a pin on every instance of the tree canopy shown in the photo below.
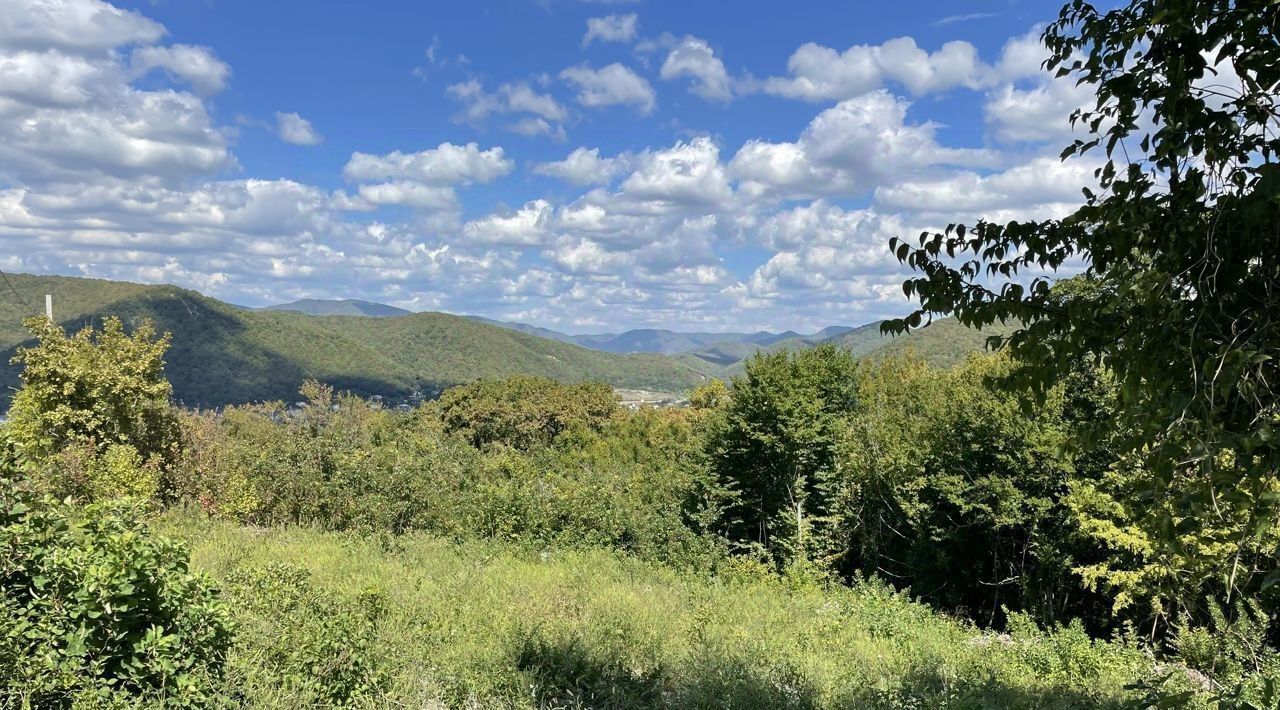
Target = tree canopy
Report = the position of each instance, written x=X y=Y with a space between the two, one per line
x=96 y=388
x=1181 y=270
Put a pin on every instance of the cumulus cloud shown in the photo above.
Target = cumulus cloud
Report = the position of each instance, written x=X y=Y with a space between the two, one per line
x=1038 y=189
x=610 y=28
x=295 y=129
x=73 y=26
x=818 y=73
x=514 y=97
x=194 y=65
x=694 y=58
x=543 y=115
x=409 y=194
x=686 y=173
x=444 y=164
x=584 y=167
x=847 y=149
x=526 y=226
x=611 y=85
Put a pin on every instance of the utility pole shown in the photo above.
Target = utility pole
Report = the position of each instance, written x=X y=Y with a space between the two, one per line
x=48 y=306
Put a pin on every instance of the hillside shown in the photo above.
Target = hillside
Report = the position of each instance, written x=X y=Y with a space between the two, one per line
x=222 y=354
x=343 y=307
x=943 y=343
x=528 y=329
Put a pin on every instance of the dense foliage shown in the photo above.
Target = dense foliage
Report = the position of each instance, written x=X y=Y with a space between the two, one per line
x=1181 y=282
x=97 y=389
x=775 y=446
x=96 y=610
x=523 y=412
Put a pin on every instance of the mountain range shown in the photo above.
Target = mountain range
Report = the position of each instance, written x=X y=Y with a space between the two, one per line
x=224 y=354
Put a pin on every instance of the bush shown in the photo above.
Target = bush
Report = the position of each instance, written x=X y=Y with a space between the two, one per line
x=96 y=608
x=96 y=387
x=121 y=472
x=522 y=411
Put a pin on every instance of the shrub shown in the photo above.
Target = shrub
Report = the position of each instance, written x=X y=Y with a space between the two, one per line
x=95 y=387
x=121 y=472
x=96 y=608
x=522 y=411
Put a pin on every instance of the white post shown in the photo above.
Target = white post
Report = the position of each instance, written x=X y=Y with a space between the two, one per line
x=48 y=306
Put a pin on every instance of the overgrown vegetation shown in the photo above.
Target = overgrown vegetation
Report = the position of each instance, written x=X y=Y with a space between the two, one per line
x=1087 y=519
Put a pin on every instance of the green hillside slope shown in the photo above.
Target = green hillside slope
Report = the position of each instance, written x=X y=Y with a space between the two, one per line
x=222 y=354
x=344 y=307
x=943 y=343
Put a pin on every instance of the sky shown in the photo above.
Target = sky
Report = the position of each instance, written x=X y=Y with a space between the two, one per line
x=577 y=165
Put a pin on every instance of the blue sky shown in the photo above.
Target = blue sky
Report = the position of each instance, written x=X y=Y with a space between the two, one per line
x=578 y=165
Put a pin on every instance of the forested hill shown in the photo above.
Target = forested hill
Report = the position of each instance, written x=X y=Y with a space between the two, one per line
x=222 y=354
x=344 y=307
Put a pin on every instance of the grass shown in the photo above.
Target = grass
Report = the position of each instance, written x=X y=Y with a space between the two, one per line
x=473 y=624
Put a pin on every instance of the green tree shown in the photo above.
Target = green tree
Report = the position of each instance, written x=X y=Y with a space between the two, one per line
x=955 y=489
x=98 y=388
x=524 y=411
x=775 y=447
x=1182 y=279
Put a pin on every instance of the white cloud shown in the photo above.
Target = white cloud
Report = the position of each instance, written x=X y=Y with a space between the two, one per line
x=444 y=164
x=517 y=97
x=546 y=116
x=694 y=58
x=409 y=194
x=524 y=227
x=610 y=28
x=584 y=167
x=73 y=26
x=685 y=174
x=531 y=126
x=1041 y=188
x=818 y=73
x=610 y=86
x=847 y=149
x=194 y=65
x=295 y=129
x=130 y=134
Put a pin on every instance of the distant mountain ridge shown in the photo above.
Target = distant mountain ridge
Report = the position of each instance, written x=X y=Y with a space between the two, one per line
x=340 y=307
x=723 y=348
x=222 y=354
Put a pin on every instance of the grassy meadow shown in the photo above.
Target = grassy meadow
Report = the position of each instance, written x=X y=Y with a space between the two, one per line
x=432 y=623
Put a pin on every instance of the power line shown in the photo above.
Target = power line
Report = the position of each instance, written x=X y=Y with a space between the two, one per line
x=15 y=291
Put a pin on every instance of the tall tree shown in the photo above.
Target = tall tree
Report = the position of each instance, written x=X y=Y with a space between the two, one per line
x=777 y=442
x=1181 y=290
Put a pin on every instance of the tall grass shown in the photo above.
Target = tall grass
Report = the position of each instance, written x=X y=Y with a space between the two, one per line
x=481 y=624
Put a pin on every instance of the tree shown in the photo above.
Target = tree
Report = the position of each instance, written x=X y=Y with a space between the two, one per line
x=94 y=388
x=1181 y=287
x=523 y=411
x=952 y=488
x=776 y=445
